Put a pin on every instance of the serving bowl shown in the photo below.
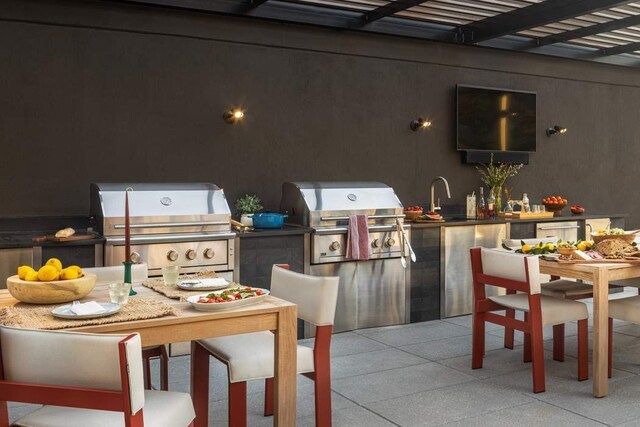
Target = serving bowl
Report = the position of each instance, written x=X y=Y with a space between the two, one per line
x=566 y=251
x=413 y=215
x=556 y=208
x=52 y=292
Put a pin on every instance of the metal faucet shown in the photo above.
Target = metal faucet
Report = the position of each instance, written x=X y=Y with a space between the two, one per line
x=432 y=206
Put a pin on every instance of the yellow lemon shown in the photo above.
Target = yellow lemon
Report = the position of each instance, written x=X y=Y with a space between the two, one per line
x=54 y=262
x=31 y=276
x=23 y=270
x=69 y=273
x=526 y=248
x=48 y=273
x=78 y=269
x=582 y=246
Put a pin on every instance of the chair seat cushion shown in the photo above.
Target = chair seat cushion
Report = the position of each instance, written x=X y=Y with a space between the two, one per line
x=625 y=309
x=161 y=409
x=566 y=288
x=554 y=310
x=250 y=356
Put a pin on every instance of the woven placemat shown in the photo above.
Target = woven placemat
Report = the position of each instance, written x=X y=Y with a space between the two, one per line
x=174 y=292
x=40 y=317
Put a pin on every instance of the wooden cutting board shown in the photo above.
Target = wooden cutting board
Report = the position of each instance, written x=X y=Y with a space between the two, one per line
x=40 y=239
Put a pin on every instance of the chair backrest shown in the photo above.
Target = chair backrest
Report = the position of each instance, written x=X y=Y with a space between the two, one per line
x=316 y=296
x=517 y=243
x=113 y=274
x=505 y=269
x=71 y=359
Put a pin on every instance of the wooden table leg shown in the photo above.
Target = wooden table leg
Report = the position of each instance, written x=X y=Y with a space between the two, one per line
x=600 y=331
x=285 y=367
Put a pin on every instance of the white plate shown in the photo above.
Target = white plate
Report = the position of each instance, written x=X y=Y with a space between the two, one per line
x=217 y=306
x=65 y=312
x=209 y=284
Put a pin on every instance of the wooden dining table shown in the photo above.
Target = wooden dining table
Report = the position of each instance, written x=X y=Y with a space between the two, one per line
x=270 y=314
x=600 y=274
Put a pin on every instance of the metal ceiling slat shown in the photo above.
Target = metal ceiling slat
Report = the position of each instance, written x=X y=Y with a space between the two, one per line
x=533 y=16
x=591 y=30
x=389 y=9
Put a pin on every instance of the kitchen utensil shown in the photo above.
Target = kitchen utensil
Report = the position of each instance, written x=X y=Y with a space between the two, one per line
x=403 y=260
x=238 y=225
x=270 y=220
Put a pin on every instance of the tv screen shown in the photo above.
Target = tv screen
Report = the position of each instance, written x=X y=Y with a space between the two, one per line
x=495 y=119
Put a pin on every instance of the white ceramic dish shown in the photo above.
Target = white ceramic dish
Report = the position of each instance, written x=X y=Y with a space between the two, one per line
x=210 y=284
x=64 y=312
x=217 y=306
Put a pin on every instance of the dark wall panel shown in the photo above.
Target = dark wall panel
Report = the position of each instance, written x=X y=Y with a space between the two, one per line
x=141 y=99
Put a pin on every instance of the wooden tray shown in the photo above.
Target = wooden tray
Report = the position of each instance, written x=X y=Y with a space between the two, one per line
x=526 y=215
x=40 y=239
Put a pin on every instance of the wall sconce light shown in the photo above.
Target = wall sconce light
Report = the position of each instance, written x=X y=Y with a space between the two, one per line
x=420 y=123
x=556 y=129
x=233 y=116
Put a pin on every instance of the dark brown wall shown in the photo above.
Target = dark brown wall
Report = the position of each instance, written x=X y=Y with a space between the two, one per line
x=93 y=91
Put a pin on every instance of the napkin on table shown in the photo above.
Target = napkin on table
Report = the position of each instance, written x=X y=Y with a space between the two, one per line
x=90 y=307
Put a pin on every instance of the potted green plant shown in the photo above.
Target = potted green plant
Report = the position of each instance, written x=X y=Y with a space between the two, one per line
x=246 y=206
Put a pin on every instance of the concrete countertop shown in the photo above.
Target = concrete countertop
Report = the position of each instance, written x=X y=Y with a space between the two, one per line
x=286 y=230
x=462 y=221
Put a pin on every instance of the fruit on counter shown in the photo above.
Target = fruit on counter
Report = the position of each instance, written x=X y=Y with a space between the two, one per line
x=52 y=270
x=577 y=209
x=431 y=216
x=66 y=232
x=413 y=209
x=554 y=200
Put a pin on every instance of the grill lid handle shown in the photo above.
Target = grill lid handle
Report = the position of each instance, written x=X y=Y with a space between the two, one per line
x=171 y=224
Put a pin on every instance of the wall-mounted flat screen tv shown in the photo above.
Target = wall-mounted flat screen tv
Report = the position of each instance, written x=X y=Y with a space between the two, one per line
x=495 y=119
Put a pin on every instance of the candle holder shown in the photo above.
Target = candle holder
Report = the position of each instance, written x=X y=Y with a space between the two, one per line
x=127 y=276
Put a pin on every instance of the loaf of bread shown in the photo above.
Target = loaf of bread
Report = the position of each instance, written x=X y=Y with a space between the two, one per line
x=66 y=232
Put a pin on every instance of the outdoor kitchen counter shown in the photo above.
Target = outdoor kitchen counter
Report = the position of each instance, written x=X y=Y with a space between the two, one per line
x=462 y=221
x=286 y=230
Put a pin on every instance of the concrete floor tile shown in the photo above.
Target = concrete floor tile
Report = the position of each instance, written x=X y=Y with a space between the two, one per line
x=534 y=414
x=345 y=343
x=375 y=361
x=398 y=382
x=450 y=347
x=415 y=333
x=355 y=416
x=449 y=404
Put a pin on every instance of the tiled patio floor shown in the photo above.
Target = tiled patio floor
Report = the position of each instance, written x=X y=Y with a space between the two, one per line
x=420 y=375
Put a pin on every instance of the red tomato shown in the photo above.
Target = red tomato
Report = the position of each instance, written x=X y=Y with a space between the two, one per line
x=259 y=292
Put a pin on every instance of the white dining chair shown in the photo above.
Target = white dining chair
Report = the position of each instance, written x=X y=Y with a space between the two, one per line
x=139 y=273
x=251 y=356
x=520 y=276
x=83 y=380
x=626 y=309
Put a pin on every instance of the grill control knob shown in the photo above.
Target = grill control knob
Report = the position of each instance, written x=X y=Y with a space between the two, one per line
x=191 y=254
x=135 y=257
x=390 y=242
x=172 y=255
x=209 y=253
x=375 y=243
x=334 y=246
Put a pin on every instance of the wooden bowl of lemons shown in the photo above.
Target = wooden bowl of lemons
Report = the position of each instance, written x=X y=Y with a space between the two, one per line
x=51 y=284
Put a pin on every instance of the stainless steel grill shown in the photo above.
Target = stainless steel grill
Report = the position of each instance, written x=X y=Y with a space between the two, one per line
x=373 y=292
x=171 y=224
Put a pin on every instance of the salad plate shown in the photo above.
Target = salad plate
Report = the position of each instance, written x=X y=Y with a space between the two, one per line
x=209 y=284
x=65 y=312
x=236 y=296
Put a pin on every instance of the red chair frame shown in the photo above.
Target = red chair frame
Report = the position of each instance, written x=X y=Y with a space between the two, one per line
x=161 y=353
x=531 y=326
x=238 y=391
x=76 y=397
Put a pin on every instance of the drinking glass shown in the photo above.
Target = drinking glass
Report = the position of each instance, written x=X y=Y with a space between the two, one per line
x=119 y=292
x=170 y=274
x=536 y=208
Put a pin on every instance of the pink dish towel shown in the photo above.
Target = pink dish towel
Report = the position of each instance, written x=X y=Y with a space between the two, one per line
x=358 y=238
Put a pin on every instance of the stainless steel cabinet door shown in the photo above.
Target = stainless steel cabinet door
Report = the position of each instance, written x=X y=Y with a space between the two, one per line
x=381 y=293
x=564 y=230
x=458 y=286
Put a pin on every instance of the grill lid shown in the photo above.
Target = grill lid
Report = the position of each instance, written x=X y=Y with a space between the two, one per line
x=327 y=204
x=160 y=208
